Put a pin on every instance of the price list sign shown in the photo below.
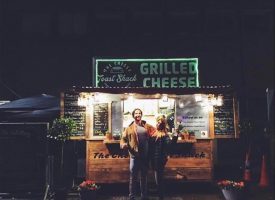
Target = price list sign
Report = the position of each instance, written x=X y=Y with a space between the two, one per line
x=100 y=122
x=74 y=111
x=192 y=116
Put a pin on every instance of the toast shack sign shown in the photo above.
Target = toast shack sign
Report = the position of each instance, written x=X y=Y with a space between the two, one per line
x=149 y=73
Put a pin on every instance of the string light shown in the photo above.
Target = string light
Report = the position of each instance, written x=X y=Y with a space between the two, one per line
x=181 y=104
x=215 y=100
x=219 y=100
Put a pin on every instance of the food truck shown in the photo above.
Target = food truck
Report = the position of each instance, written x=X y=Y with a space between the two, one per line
x=170 y=87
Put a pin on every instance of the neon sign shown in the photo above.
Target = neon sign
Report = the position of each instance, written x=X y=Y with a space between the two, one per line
x=150 y=73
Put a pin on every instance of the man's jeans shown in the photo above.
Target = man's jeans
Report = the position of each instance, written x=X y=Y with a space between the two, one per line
x=138 y=165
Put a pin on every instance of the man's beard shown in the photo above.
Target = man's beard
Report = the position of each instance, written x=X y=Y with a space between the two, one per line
x=137 y=118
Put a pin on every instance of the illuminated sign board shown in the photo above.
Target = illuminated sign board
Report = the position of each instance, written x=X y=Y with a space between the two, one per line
x=149 y=73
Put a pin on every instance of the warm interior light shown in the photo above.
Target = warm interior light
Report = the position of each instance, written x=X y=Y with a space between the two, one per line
x=181 y=104
x=164 y=98
x=204 y=103
x=97 y=97
x=81 y=101
x=213 y=101
x=198 y=97
x=129 y=103
x=90 y=100
x=85 y=99
x=131 y=97
x=219 y=101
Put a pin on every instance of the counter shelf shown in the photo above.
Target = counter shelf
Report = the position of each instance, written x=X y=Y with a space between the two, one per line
x=187 y=141
x=77 y=138
x=179 y=141
x=111 y=141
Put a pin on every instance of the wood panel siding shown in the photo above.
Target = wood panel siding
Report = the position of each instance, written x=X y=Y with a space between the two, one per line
x=107 y=163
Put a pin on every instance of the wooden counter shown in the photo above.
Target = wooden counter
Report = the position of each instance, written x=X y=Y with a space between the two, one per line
x=189 y=160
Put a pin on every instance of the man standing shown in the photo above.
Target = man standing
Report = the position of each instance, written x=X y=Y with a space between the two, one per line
x=136 y=139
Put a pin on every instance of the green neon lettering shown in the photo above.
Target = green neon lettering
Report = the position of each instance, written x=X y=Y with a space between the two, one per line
x=144 y=68
x=145 y=80
x=165 y=82
x=153 y=68
x=155 y=82
x=174 y=69
x=191 y=82
x=173 y=82
x=192 y=68
x=183 y=68
x=182 y=82
x=161 y=67
x=166 y=69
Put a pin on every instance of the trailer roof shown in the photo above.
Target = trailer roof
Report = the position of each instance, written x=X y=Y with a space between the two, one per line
x=142 y=90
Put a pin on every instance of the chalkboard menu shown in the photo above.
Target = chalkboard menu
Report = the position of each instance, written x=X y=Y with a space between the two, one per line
x=224 y=117
x=100 y=125
x=74 y=111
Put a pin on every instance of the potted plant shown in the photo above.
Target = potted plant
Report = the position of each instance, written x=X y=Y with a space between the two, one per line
x=192 y=135
x=185 y=134
x=108 y=135
x=88 y=190
x=232 y=190
x=59 y=132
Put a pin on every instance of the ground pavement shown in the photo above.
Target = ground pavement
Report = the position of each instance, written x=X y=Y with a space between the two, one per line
x=179 y=191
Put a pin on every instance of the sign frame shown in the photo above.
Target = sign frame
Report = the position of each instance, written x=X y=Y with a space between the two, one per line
x=146 y=73
x=97 y=113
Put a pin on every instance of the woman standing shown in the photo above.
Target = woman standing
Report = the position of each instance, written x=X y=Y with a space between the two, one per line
x=159 y=146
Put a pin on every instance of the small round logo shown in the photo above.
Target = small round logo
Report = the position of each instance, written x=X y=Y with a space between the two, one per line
x=116 y=74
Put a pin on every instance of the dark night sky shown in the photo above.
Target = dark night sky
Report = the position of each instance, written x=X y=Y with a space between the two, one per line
x=47 y=47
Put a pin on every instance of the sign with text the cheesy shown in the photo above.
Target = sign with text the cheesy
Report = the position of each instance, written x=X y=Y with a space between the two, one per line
x=149 y=73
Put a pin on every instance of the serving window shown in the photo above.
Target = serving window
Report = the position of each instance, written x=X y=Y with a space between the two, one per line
x=201 y=114
x=151 y=108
